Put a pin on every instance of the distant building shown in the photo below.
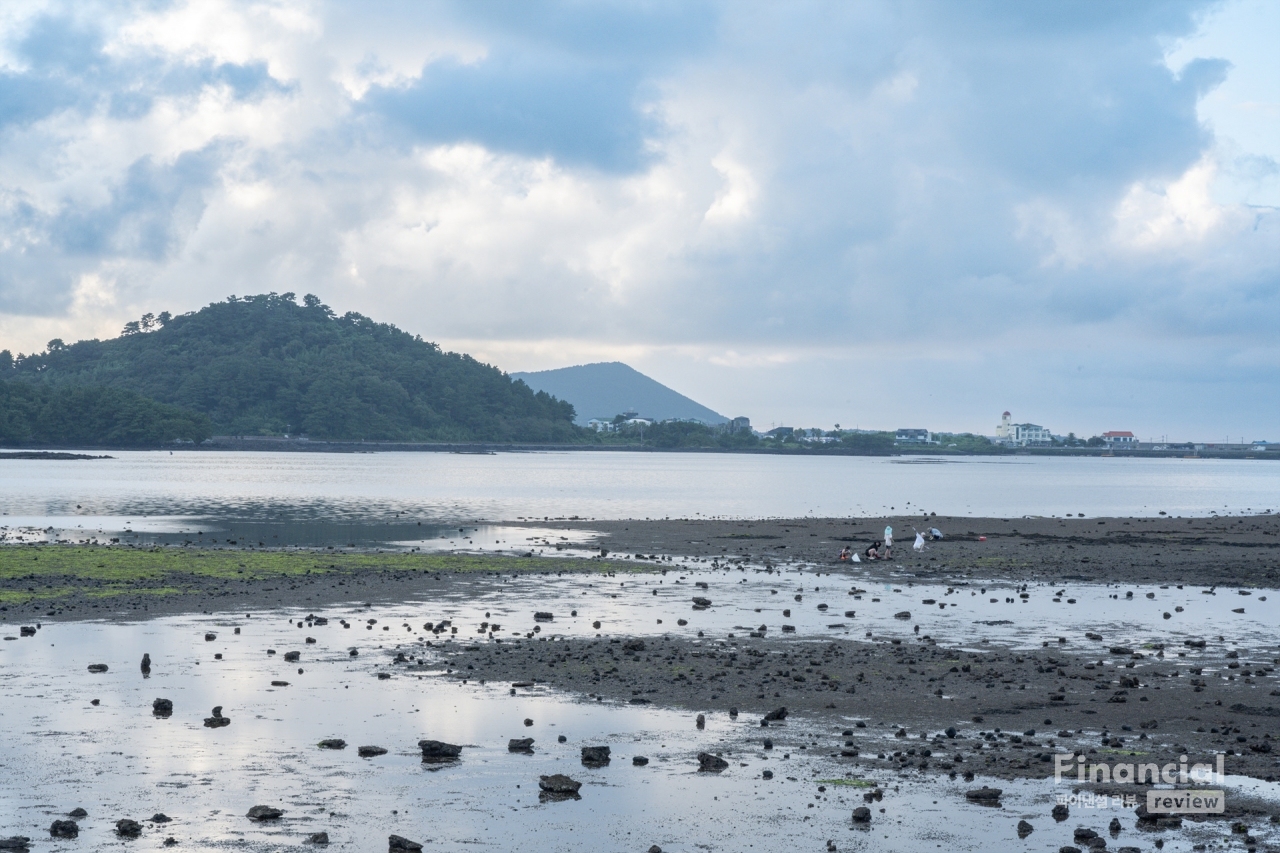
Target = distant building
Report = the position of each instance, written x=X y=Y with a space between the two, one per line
x=599 y=425
x=781 y=432
x=913 y=436
x=1022 y=435
x=740 y=424
x=1119 y=437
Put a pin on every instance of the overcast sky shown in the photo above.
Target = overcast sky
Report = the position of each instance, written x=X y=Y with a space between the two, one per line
x=873 y=214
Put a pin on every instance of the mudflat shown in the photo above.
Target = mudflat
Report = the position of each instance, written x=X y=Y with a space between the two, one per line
x=1202 y=551
x=1010 y=710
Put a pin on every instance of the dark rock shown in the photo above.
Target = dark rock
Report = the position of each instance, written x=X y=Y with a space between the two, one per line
x=1025 y=829
x=317 y=838
x=146 y=663
x=97 y=667
x=264 y=813
x=126 y=828
x=436 y=749
x=332 y=743
x=370 y=751
x=984 y=796
x=528 y=722
x=700 y=603
x=701 y=721
x=639 y=760
x=217 y=721
x=1060 y=813
x=1082 y=834
x=160 y=817
x=520 y=744
x=902 y=614
x=776 y=715
x=558 y=784
x=862 y=814
x=596 y=625
x=16 y=842
x=77 y=812
x=653 y=848
x=1114 y=827
x=633 y=646
x=170 y=842
x=768 y=774
x=162 y=707
x=279 y=684
x=210 y=637
x=1067 y=848
x=708 y=763
x=292 y=657
x=64 y=829
x=543 y=616
x=396 y=843
x=595 y=756
x=561 y=739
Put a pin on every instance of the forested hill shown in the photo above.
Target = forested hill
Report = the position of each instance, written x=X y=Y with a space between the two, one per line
x=265 y=365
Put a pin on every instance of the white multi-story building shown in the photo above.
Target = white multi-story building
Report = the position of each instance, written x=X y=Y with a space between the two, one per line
x=1021 y=435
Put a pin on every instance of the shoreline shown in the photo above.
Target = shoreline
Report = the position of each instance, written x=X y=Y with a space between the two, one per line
x=290 y=445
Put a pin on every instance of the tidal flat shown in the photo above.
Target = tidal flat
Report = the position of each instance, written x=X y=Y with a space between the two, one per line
x=906 y=684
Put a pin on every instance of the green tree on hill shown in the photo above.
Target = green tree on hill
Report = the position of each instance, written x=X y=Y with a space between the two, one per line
x=265 y=365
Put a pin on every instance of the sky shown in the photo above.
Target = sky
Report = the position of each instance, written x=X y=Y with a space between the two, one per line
x=876 y=214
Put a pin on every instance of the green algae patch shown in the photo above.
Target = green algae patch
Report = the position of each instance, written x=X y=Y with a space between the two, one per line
x=30 y=573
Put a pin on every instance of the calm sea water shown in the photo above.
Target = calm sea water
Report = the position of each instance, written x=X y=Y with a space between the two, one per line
x=391 y=488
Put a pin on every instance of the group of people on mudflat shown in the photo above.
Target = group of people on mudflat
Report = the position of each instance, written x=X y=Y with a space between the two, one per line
x=882 y=549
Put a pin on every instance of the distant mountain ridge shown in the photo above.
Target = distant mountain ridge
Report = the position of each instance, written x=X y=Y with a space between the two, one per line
x=606 y=389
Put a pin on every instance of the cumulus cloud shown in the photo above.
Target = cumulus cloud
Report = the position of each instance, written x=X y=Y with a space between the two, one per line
x=755 y=202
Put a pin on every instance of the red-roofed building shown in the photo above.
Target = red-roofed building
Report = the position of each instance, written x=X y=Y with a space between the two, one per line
x=1119 y=437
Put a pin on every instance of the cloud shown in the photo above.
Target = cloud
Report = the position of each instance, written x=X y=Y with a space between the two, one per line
x=747 y=189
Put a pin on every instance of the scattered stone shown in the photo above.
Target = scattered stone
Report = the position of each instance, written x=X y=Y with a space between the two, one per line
x=210 y=637
x=332 y=743
x=370 y=751
x=776 y=715
x=708 y=763
x=160 y=817
x=902 y=614
x=596 y=624
x=171 y=842
x=217 y=721
x=633 y=646
x=77 y=813
x=396 y=843
x=543 y=616
x=528 y=722
x=862 y=814
x=701 y=721
x=126 y=828
x=984 y=796
x=639 y=761
x=1060 y=813
x=292 y=657
x=520 y=744
x=317 y=838
x=700 y=603
x=146 y=663
x=97 y=667
x=64 y=829
x=436 y=750
x=16 y=842
x=162 y=707
x=558 y=784
x=279 y=684
x=1025 y=829
x=768 y=774
x=595 y=756
x=264 y=813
